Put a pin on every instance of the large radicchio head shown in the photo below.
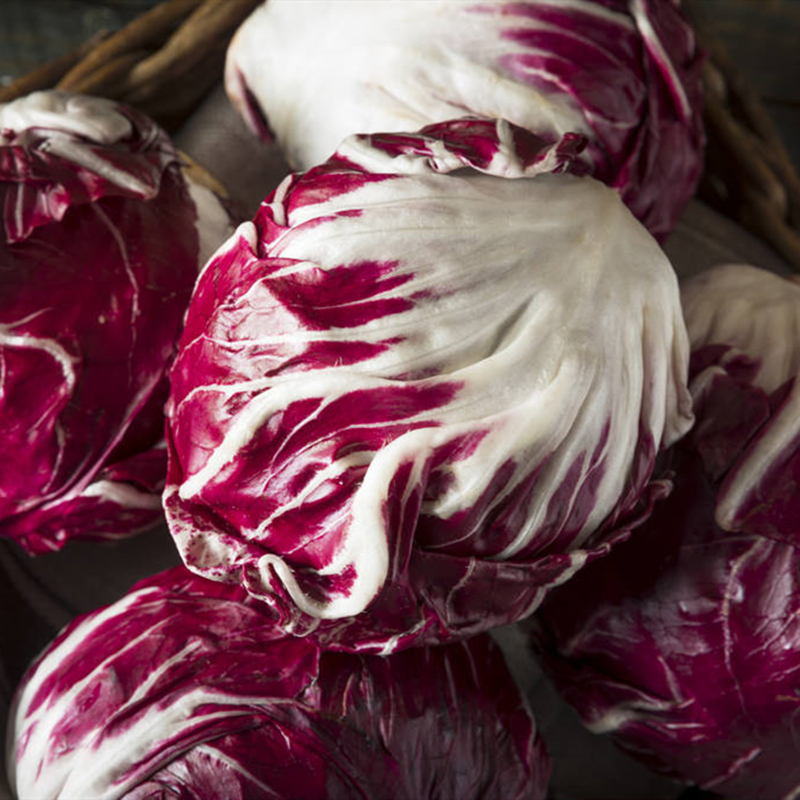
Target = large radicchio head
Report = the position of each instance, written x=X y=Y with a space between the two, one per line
x=683 y=644
x=186 y=688
x=407 y=402
x=99 y=253
x=625 y=73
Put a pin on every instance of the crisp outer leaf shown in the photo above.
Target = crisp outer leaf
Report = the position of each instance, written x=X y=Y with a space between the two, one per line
x=404 y=405
x=98 y=258
x=186 y=688
x=625 y=73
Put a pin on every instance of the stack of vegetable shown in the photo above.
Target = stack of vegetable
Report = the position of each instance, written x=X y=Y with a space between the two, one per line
x=440 y=373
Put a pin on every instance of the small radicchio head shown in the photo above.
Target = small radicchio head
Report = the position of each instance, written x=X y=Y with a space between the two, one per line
x=407 y=402
x=684 y=643
x=625 y=73
x=186 y=688
x=99 y=253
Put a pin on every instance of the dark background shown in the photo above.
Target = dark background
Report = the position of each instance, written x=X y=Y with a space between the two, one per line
x=33 y=31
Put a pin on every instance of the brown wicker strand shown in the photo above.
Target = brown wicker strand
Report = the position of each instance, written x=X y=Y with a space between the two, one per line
x=745 y=151
x=212 y=22
x=108 y=79
x=170 y=100
x=745 y=101
x=164 y=62
x=749 y=175
x=146 y=31
x=746 y=105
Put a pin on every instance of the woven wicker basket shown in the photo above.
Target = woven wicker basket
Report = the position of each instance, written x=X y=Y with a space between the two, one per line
x=168 y=59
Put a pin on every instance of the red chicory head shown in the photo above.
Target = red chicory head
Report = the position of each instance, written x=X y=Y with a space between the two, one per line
x=186 y=688
x=99 y=253
x=683 y=644
x=625 y=73
x=411 y=396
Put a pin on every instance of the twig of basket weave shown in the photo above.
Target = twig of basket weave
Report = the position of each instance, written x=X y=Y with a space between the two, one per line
x=108 y=77
x=748 y=175
x=213 y=22
x=147 y=31
x=746 y=103
x=172 y=99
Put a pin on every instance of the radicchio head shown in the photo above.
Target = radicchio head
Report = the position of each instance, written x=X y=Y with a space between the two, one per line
x=185 y=688
x=99 y=253
x=407 y=402
x=683 y=644
x=625 y=73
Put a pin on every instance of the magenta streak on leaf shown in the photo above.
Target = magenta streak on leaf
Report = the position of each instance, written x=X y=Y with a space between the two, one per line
x=435 y=595
x=706 y=356
x=615 y=103
x=637 y=641
x=476 y=143
x=334 y=178
x=219 y=295
x=643 y=140
x=401 y=512
x=569 y=147
x=97 y=517
x=253 y=113
x=567 y=511
x=558 y=17
x=321 y=355
x=90 y=321
x=471 y=531
x=238 y=491
x=685 y=607
x=730 y=413
x=737 y=365
x=59 y=184
x=481 y=534
x=578 y=37
x=476 y=150
x=343 y=296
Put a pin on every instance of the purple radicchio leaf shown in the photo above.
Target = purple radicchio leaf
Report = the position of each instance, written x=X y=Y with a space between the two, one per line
x=99 y=254
x=683 y=644
x=624 y=73
x=186 y=688
x=403 y=405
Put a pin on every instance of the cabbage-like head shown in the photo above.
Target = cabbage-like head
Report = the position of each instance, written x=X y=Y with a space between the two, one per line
x=625 y=73
x=185 y=688
x=98 y=255
x=406 y=402
x=684 y=643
